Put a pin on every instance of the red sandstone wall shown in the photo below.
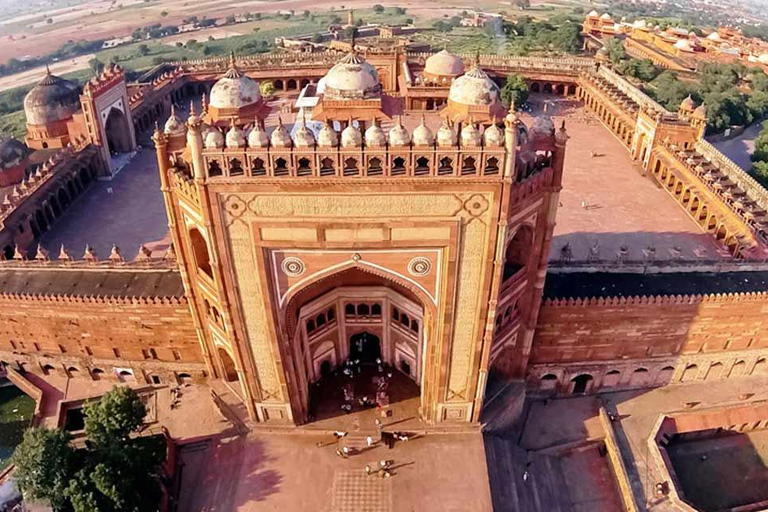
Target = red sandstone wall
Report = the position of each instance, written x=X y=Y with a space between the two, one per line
x=82 y=329
x=626 y=329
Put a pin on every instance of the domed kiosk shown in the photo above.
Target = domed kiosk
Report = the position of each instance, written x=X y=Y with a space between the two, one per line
x=14 y=160
x=351 y=90
x=443 y=66
x=474 y=95
x=48 y=107
x=234 y=97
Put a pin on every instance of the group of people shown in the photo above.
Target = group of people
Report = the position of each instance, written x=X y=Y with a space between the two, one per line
x=380 y=397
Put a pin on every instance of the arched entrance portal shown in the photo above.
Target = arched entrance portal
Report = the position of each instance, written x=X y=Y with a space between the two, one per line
x=360 y=338
x=117 y=131
x=365 y=347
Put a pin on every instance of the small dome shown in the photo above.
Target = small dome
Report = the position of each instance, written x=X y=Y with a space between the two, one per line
x=683 y=44
x=422 y=135
x=493 y=136
x=235 y=137
x=374 y=135
x=687 y=104
x=444 y=63
x=714 y=36
x=470 y=135
x=174 y=126
x=763 y=59
x=257 y=137
x=52 y=99
x=474 y=88
x=446 y=135
x=606 y=17
x=280 y=137
x=234 y=90
x=700 y=112
x=639 y=24
x=543 y=125
x=352 y=78
x=303 y=138
x=398 y=135
x=593 y=14
x=327 y=137
x=351 y=136
x=214 y=139
x=12 y=153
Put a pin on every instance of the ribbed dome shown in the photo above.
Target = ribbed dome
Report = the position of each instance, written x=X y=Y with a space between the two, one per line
x=398 y=135
x=422 y=135
x=444 y=63
x=474 y=88
x=700 y=112
x=52 y=99
x=303 y=138
x=214 y=139
x=235 y=137
x=174 y=126
x=493 y=136
x=374 y=135
x=234 y=90
x=446 y=135
x=352 y=78
x=280 y=137
x=351 y=136
x=687 y=103
x=12 y=153
x=470 y=135
x=327 y=137
x=257 y=137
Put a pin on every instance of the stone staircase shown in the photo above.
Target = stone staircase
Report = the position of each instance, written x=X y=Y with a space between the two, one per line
x=544 y=490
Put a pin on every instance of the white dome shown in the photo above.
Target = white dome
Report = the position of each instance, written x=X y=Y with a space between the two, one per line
x=763 y=59
x=235 y=137
x=474 y=88
x=422 y=135
x=470 y=135
x=688 y=103
x=639 y=24
x=714 y=36
x=593 y=14
x=303 y=138
x=234 y=90
x=214 y=139
x=352 y=78
x=280 y=137
x=683 y=44
x=446 y=136
x=493 y=136
x=257 y=137
x=605 y=16
x=351 y=136
x=374 y=135
x=327 y=137
x=398 y=135
x=174 y=125
x=444 y=63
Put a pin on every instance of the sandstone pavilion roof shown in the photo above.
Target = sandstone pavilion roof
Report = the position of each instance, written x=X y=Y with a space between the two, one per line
x=443 y=64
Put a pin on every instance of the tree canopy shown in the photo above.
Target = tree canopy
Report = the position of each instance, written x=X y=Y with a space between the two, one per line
x=515 y=91
x=114 y=473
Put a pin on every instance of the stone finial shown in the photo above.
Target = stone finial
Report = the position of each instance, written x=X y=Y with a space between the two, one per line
x=64 y=254
x=170 y=254
x=90 y=254
x=42 y=254
x=144 y=253
x=204 y=104
x=18 y=254
x=114 y=255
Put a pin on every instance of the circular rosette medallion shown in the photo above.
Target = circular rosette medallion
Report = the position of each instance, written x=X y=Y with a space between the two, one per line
x=419 y=267
x=293 y=267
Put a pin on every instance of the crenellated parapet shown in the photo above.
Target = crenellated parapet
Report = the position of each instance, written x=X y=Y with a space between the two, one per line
x=107 y=79
x=658 y=300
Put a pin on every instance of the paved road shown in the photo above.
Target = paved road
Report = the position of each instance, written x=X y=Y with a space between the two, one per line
x=740 y=148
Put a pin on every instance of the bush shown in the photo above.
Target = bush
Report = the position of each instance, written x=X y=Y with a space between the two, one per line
x=378 y=8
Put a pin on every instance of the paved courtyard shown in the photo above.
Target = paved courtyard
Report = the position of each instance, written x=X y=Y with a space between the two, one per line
x=623 y=207
x=127 y=211
x=289 y=472
x=740 y=148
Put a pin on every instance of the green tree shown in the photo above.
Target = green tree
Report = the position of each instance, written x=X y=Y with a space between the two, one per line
x=96 y=65
x=757 y=103
x=567 y=37
x=163 y=14
x=669 y=91
x=515 y=91
x=317 y=38
x=43 y=464
x=143 y=50
x=306 y=14
x=114 y=416
x=615 y=50
x=400 y=10
x=378 y=8
x=760 y=172
x=267 y=89
x=230 y=20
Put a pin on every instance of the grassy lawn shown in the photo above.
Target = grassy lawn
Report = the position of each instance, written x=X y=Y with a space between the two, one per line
x=16 y=410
